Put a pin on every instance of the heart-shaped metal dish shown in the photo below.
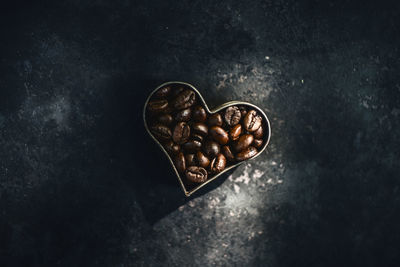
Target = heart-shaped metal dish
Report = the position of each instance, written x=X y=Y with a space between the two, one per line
x=266 y=138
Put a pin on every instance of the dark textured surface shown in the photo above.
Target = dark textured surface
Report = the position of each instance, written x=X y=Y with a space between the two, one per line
x=81 y=183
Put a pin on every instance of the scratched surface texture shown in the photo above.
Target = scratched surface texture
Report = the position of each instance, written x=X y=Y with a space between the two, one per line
x=82 y=184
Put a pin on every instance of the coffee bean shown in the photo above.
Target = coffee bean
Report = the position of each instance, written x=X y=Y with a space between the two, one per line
x=215 y=119
x=171 y=147
x=257 y=143
x=211 y=148
x=259 y=133
x=246 y=154
x=180 y=162
x=185 y=99
x=197 y=137
x=177 y=90
x=252 y=121
x=226 y=150
x=192 y=146
x=200 y=128
x=190 y=160
x=218 y=164
x=235 y=132
x=157 y=106
x=219 y=135
x=163 y=92
x=199 y=114
x=196 y=174
x=232 y=116
x=243 y=142
x=183 y=115
x=202 y=159
x=165 y=119
x=181 y=133
x=161 y=132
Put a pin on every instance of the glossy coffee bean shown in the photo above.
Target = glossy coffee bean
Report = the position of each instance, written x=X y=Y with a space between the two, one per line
x=196 y=174
x=199 y=114
x=211 y=148
x=257 y=143
x=161 y=132
x=185 y=99
x=226 y=150
x=197 y=137
x=235 y=132
x=157 y=105
x=243 y=142
x=192 y=146
x=172 y=148
x=259 y=133
x=180 y=162
x=183 y=115
x=200 y=128
x=252 y=121
x=215 y=119
x=163 y=92
x=190 y=159
x=246 y=154
x=202 y=159
x=232 y=116
x=218 y=164
x=181 y=133
x=165 y=119
x=219 y=135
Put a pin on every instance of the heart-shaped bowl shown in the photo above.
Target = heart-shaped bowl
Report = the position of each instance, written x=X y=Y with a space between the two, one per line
x=190 y=190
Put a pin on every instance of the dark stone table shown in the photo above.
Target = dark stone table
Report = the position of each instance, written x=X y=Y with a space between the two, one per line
x=82 y=184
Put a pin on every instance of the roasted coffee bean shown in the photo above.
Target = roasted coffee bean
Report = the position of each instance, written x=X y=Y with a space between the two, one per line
x=211 y=148
x=197 y=137
x=196 y=174
x=226 y=150
x=218 y=164
x=219 y=135
x=199 y=114
x=246 y=154
x=202 y=160
x=200 y=128
x=168 y=110
x=257 y=143
x=252 y=121
x=185 y=99
x=215 y=119
x=163 y=92
x=243 y=111
x=157 y=105
x=243 y=142
x=232 y=116
x=235 y=132
x=192 y=146
x=176 y=91
x=190 y=159
x=180 y=162
x=171 y=147
x=259 y=133
x=183 y=115
x=181 y=133
x=161 y=132
x=165 y=119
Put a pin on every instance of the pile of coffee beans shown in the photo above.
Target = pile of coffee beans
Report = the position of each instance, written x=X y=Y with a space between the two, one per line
x=203 y=144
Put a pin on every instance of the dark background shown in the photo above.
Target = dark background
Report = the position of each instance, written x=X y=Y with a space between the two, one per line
x=82 y=184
